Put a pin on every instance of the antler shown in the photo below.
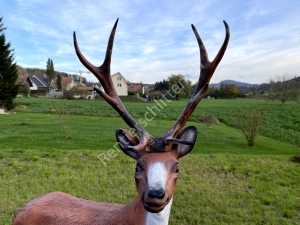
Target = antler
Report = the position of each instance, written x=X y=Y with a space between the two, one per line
x=103 y=74
x=147 y=142
x=207 y=70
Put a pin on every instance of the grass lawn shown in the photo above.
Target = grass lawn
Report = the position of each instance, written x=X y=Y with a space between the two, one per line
x=212 y=189
x=45 y=132
x=223 y=181
x=282 y=122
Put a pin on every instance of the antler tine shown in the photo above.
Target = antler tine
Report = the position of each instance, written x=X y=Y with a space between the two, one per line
x=102 y=72
x=207 y=70
x=103 y=75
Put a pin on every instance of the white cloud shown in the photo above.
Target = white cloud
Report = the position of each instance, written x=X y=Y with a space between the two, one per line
x=154 y=38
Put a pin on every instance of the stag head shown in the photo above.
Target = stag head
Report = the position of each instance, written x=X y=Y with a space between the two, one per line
x=157 y=157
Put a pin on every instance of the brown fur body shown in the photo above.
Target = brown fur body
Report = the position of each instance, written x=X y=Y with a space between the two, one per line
x=60 y=208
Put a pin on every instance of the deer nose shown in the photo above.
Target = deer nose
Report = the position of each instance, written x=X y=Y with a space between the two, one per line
x=159 y=194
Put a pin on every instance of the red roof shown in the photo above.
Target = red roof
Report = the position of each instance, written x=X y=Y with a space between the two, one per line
x=21 y=80
x=65 y=81
x=135 y=87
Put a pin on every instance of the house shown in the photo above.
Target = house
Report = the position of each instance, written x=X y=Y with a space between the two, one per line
x=40 y=85
x=89 y=89
x=24 y=84
x=135 y=87
x=67 y=83
x=120 y=84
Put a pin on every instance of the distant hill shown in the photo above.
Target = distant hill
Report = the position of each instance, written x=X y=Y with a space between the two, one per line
x=237 y=83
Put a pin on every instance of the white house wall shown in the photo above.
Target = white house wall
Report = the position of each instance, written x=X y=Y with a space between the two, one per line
x=34 y=87
x=120 y=84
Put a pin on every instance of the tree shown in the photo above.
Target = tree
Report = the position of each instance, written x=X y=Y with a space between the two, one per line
x=224 y=91
x=212 y=91
x=36 y=72
x=222 y=86
x=58 y=82
x=50 y=69
x=284 y=88
x=24 y=90
x=161 y=85
x=179 y=86
x=8 y=72
x=39 y=73
x=1 y=25
x=230 y=90
x=22 y=71
x=249 y=121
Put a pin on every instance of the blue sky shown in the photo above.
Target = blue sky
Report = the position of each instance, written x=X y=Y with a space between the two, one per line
x=154 y=38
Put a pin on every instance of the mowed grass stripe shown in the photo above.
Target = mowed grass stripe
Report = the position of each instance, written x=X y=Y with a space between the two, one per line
x=44 y=132
x=282 y=122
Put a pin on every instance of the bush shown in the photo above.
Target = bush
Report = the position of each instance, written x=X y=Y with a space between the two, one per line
x=69 y=94
x=24 y=90
x=131 y=93
x=295 y=158
x=249 y=121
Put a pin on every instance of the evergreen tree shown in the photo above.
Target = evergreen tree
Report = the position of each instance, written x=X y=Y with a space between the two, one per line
x=161 y=85
x=1 y=26
x=8 y=72
x=50 y=69
x=58 y=82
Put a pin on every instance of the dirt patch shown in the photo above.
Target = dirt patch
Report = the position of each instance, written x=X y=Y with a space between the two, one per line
x=209 y=120
x=21 y=108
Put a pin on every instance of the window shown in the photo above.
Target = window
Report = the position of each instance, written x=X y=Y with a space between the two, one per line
x=119 y=78
x=119 y=85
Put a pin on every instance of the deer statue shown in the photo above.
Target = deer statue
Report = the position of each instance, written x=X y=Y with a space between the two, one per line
x=157 y=166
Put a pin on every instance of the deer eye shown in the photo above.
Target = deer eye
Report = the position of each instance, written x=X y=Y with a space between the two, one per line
x=176 y=170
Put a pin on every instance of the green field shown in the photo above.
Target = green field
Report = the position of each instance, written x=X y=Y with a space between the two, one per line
x=282 y=122
x=223 y=180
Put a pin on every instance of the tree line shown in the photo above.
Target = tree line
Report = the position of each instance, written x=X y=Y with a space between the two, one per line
x=180 y=87
x=281 y=87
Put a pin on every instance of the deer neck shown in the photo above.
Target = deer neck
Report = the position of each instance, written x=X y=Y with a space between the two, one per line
x=161 y=218
x=138 y=215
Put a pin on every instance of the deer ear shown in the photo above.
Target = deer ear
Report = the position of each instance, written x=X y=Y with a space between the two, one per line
x=125 y=139
x=188 y=134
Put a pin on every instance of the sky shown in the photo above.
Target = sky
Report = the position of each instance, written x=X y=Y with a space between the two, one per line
x=154 y=38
